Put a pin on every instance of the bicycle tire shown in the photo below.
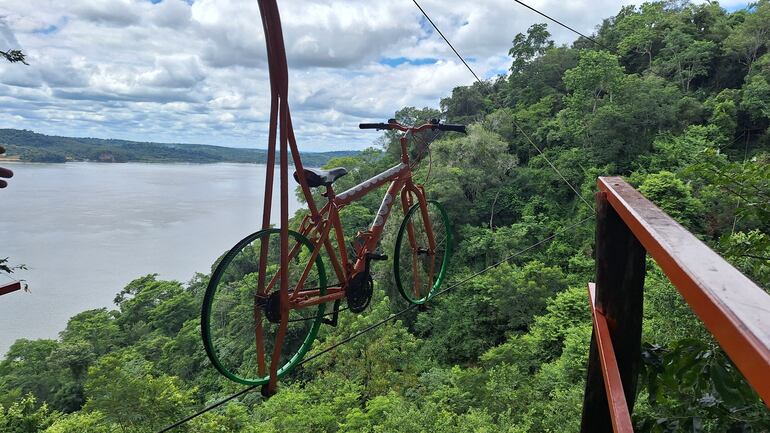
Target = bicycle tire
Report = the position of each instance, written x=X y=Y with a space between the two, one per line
x=218 y=285
x=404 y=251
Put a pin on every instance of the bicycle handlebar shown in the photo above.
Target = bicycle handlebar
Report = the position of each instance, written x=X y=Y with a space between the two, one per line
x=433 y=125
x=450 y=127
x=374 y=126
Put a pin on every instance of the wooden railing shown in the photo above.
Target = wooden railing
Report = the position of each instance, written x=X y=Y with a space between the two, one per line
x=11 y=287
x=734 y=309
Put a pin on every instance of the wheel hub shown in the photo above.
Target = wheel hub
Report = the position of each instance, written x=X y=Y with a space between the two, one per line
x=272 y=307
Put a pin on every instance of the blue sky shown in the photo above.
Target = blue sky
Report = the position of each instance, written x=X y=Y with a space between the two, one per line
x=194 y=72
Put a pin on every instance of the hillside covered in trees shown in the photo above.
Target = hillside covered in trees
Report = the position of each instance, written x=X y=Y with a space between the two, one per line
x=676 y=99
x=34 y=147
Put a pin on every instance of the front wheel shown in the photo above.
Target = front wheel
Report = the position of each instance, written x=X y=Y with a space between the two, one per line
x=423 y=246
x=238 y=320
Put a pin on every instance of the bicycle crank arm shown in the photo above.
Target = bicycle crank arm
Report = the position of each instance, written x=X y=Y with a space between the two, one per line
x=333 y=320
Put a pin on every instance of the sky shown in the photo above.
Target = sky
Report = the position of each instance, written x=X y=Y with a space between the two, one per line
x=195 y=71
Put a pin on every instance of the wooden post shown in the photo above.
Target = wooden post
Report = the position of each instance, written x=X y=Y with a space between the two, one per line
x=10 y=287
x=620 y=271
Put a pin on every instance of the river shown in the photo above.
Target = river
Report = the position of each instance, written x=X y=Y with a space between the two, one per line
x=84 y=230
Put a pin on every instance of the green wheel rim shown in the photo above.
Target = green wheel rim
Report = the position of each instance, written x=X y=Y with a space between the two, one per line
x=445 y=259
x=211 y=290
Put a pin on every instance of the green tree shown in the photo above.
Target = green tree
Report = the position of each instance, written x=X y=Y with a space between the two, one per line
x=148 y=305
x=126 y=389
x=527 y=47
x=674 y=197
x=750 y=252
x=467 y=168
x=466 y=324
x=82 y=422
x=25 y=415
x=641 y=30
x=723 y=107
x=26 y=369
x=596 y=78
x=751 y=36
x=97 y=327
x=467 y=103
x=755 y=99
x=684 y=58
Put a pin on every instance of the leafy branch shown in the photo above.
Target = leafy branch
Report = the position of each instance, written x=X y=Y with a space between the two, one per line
x=14 y=56
x=8 y=269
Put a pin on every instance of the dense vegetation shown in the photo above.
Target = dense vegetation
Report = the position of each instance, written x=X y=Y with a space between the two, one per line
x=678 y=101
x=33 y=147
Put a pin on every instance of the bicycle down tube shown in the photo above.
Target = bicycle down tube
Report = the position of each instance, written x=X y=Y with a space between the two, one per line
x=330 y=219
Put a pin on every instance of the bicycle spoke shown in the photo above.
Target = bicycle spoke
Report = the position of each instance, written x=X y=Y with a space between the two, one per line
x=259 y=339
x=242 y=330
x=420 y=268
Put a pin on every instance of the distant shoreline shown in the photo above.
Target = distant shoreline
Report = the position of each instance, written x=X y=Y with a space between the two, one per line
x=29 y=146
x=15 y=160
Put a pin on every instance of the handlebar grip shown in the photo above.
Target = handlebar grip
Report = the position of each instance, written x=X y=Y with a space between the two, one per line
x=373 y=126
x=450 y=127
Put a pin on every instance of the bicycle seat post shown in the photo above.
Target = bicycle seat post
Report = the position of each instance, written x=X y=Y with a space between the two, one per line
x=329 y=192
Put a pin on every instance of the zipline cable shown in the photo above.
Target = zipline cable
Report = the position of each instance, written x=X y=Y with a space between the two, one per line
x=446 y=40
x=562 y=24
x=382 y=321
x=454 y=285
x=516 y=254
x=515 y=123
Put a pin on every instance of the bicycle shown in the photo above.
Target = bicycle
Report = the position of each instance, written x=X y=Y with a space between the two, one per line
x=245 y=317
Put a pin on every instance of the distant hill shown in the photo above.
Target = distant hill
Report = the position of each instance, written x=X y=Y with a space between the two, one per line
x=30 y=146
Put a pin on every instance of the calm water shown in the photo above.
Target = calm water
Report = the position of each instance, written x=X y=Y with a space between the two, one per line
x=86 y=229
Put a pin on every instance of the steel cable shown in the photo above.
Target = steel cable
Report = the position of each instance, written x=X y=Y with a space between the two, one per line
x=383 y=321
x=515 y=123
x=455 y=284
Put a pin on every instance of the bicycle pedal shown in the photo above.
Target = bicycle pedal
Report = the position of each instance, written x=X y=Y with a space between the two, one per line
x=376 y=256
x=333 y=321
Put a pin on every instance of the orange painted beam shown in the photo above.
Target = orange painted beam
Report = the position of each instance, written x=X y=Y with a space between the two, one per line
x=616 y=398
x=734 y=309
x=8 y=288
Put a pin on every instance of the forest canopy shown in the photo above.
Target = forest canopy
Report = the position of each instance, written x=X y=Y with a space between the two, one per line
x=30 y=146
x=675 y=97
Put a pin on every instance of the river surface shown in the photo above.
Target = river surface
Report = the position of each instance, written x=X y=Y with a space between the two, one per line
x=84 y=230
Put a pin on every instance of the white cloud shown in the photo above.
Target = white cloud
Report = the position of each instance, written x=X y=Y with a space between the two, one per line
x=119 y=13
x=175 y=71
x=7 y=38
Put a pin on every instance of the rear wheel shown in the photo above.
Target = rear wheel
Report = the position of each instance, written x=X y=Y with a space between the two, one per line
x=419 y=269
x=240 y=328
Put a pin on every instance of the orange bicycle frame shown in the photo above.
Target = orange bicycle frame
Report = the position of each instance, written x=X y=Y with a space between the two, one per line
x=318 y=225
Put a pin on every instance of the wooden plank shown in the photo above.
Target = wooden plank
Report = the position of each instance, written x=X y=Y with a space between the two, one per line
x=620 y=272
x=11 y=287
x=621 y=418
x=734 y=309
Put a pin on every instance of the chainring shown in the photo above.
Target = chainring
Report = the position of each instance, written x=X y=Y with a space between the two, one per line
x=359 y=292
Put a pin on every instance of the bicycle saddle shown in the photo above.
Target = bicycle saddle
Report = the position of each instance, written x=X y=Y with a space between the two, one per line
x=316 y=177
